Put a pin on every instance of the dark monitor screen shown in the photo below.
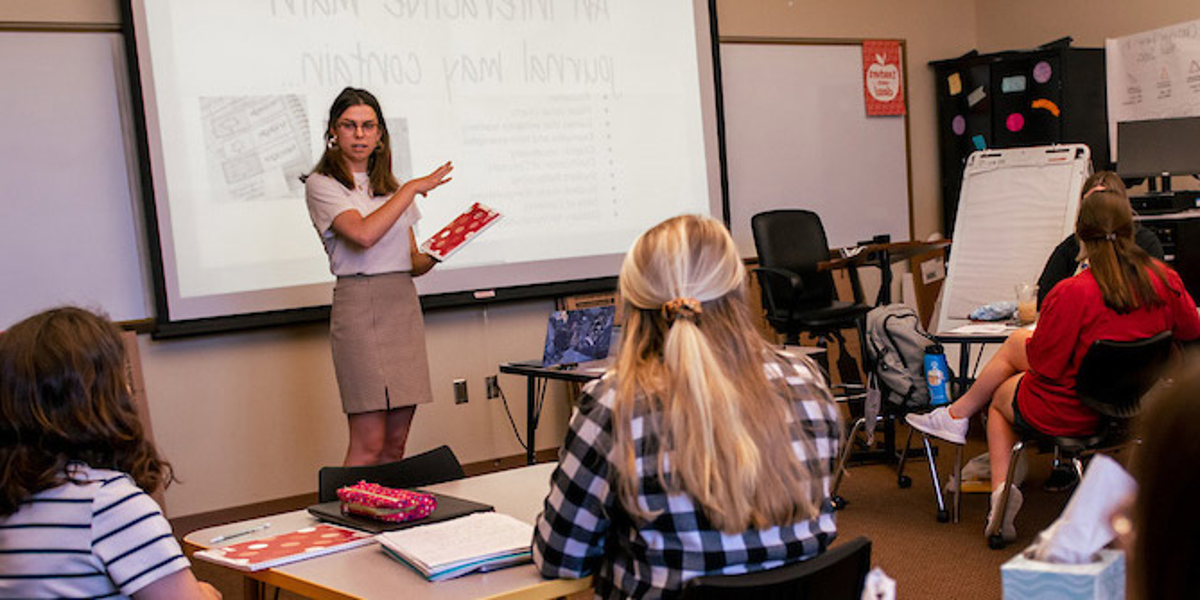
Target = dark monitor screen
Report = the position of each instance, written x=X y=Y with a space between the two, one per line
x=1148 y=148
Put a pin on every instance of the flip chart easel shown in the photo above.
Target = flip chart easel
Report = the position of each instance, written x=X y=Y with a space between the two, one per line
x=1016 y=205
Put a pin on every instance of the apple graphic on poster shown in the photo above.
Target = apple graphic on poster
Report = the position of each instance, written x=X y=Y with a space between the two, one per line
x=883 y=80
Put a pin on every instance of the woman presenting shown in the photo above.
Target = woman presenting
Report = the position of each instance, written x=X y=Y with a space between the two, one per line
x=365 y=218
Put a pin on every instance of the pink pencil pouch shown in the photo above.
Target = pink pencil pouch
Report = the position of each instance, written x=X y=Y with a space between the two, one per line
x=385 y=504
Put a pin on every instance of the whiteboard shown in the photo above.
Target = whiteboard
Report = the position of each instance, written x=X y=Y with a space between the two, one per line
x=1153 y=75
x=797 y=136
x=68 y=219
x=1016 y=205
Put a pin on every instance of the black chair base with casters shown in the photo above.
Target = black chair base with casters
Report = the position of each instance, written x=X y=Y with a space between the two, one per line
x=836 y=574
x=435 y=466
x=1113 y=380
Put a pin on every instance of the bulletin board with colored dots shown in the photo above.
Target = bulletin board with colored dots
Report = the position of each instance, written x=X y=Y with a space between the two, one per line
x=1050 y=95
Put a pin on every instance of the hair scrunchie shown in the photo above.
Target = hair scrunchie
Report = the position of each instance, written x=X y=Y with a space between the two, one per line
x=686 y=308
x=1111 y=236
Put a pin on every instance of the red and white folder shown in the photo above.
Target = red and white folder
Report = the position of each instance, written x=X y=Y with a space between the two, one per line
x=461 y=230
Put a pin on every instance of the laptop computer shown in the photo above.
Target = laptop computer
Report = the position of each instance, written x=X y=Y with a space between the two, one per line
x=577 y=336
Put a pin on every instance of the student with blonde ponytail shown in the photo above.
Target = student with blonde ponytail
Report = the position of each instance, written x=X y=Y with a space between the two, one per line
x=704 y=450
x=1028 y=387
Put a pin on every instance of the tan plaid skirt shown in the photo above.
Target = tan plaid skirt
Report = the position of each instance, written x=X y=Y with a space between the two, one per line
x=378 y=339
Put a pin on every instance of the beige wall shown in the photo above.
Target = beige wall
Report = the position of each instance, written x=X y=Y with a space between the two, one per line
x=91 y=12
x=1016 y=24
x=249 y=417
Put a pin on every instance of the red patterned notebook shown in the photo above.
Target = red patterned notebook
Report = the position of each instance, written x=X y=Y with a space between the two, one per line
x=285 y=548
x=461 y=230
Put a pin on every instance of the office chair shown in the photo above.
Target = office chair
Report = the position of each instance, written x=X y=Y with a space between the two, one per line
x=836 y=574
x=795 y=295
x=1113 y=380
x=435 y=466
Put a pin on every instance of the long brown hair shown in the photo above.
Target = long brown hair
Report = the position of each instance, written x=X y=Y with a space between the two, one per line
x=64 y=398
x=379 y=165
x=1164 y=545
x=1105 y=231
x=692 y=355
x=1103 y=180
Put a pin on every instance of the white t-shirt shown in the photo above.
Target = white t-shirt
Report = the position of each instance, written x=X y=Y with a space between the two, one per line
x=104 y=538
x=327 y=199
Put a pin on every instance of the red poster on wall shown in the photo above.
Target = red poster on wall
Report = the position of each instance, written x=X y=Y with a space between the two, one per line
x=883 y=88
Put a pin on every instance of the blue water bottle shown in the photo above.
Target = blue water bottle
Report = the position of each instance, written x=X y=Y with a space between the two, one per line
x=937 y=375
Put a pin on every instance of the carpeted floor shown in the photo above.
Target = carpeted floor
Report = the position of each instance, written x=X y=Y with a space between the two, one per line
x=926 y=558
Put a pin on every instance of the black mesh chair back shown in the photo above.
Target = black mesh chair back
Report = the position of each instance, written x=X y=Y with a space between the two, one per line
x=1114 y=376
x=794 y=240
x=435 y=466
x=836 y=574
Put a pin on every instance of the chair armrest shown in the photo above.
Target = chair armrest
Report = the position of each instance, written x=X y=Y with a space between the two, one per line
x=792 y=280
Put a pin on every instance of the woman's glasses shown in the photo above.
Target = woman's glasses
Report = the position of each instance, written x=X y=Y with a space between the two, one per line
x=349 y=127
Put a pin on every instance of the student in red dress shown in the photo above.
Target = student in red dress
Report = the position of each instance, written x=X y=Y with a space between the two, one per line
x=1124 y=294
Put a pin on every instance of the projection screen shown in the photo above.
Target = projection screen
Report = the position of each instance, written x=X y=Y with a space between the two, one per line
x=583 y=121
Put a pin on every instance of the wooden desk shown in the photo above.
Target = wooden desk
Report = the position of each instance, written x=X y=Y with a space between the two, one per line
x=882 y=256
x=533 y=372
x=368 y=573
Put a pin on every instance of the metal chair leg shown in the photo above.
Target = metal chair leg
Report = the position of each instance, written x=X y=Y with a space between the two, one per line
x=943 y=515
x=838 y=501
x=958 y=456
x=902 y=480
x=993 y=531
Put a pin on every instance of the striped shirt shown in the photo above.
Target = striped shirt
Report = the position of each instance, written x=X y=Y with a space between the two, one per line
x=584 y=530
x=104 y=538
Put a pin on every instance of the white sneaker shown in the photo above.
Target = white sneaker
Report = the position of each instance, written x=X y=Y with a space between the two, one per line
x=1008 y=528
x=939 y=423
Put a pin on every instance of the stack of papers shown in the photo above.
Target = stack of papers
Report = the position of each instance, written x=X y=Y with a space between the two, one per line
x=476 y=542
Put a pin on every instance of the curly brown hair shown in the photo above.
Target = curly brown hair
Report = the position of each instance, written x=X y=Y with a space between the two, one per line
x=65 y=398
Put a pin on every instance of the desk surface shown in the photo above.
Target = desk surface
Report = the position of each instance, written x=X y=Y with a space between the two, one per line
x=582 y=372
x=896 y=252
x=367 y=572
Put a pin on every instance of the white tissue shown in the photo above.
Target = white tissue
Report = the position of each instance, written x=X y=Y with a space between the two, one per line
x=1085 y=525
x=878 y=586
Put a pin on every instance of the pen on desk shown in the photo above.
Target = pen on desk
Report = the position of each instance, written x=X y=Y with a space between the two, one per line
x=230 y=536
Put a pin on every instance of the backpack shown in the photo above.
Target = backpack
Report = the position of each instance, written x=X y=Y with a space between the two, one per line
x=896 y=350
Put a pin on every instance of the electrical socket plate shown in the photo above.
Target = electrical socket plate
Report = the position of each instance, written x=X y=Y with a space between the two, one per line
x=460 y=391
x=493 y=386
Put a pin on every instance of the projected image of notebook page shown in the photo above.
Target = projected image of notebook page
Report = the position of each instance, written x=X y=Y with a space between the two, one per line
x=576 y=336
x=461 y=230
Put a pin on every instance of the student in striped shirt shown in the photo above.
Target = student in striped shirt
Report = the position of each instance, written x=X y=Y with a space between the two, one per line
x=75 y=519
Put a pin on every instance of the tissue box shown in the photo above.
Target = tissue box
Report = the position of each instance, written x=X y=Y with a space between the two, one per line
x=1028 y=579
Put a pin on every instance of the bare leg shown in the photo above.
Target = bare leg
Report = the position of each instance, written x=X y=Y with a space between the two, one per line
x=1000 y=434
x=398 y=422
x=367 y=433
x=1010 y=360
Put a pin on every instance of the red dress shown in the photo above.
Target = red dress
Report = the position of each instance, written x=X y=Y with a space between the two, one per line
x=1073 y=316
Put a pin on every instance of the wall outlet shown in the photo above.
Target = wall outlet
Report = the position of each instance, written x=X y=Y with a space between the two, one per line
x=460 y=391
x=492 y=385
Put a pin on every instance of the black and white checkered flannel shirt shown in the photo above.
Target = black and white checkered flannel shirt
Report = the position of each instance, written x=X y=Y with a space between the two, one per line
x=584 y=530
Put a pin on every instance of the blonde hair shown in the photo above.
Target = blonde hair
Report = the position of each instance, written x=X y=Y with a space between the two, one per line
x=691 y=354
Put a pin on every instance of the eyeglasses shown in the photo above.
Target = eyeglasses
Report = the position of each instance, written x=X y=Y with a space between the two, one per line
x=349 y=127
